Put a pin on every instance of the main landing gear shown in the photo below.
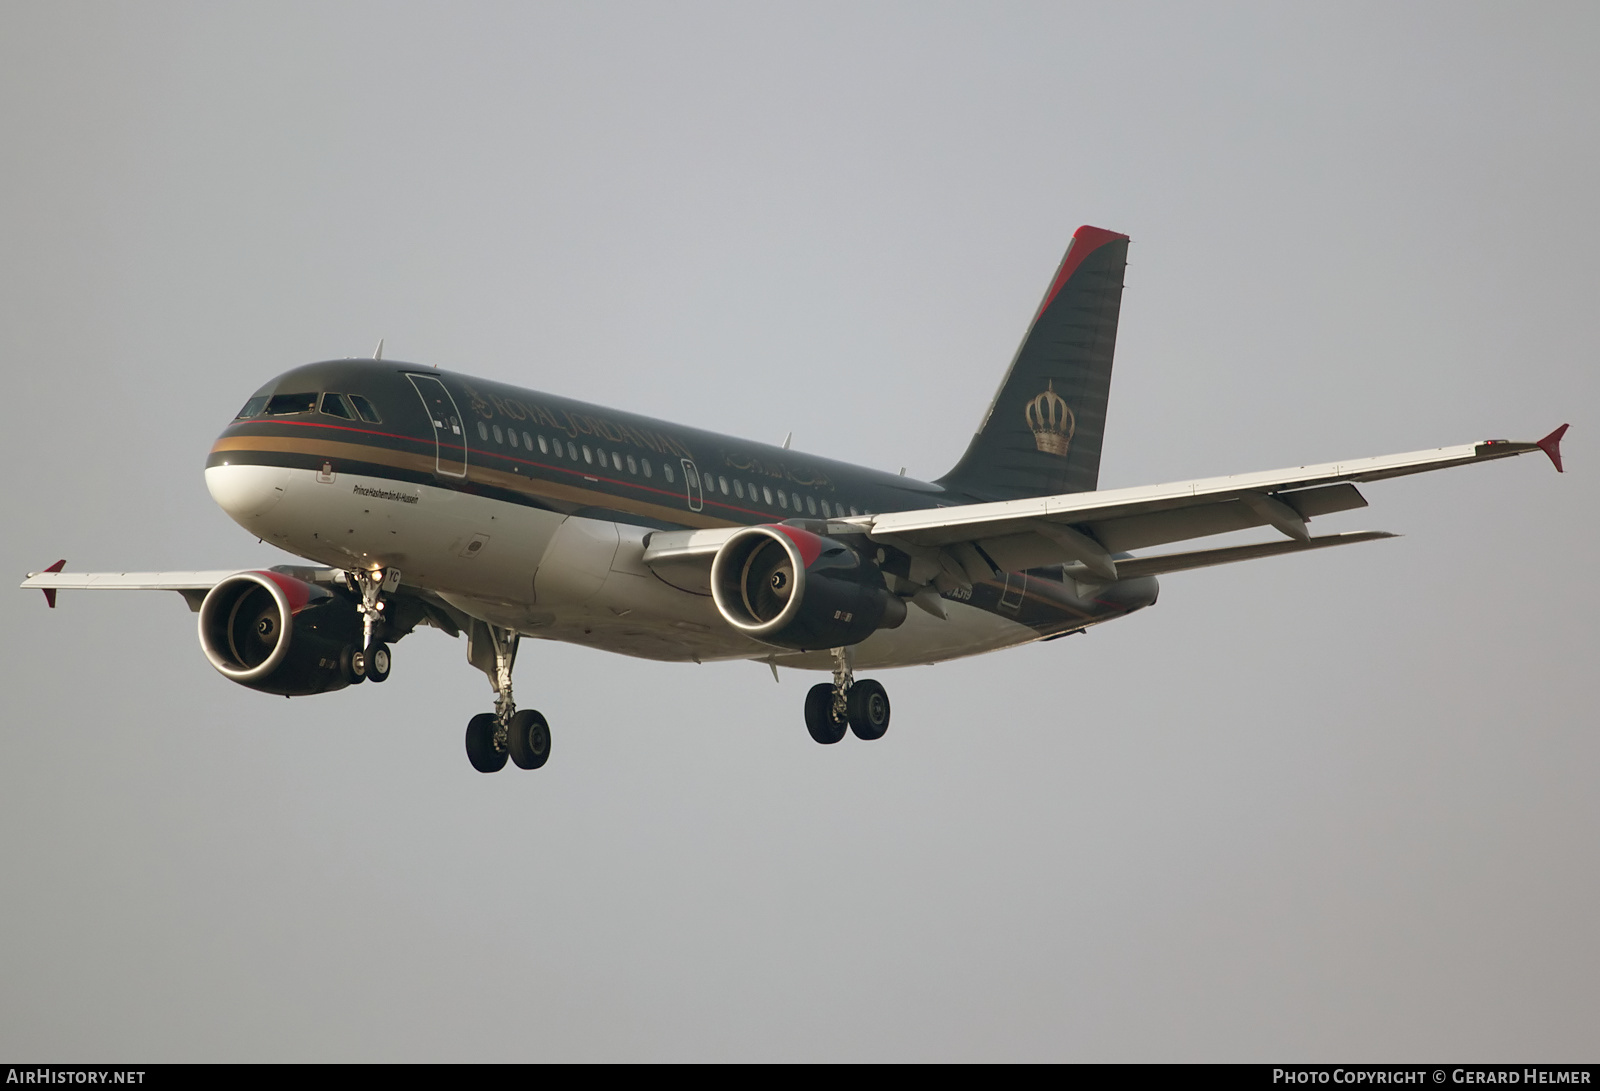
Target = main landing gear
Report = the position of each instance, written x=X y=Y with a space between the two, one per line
x=845 y=704
x=492 y=737
x=370 y=661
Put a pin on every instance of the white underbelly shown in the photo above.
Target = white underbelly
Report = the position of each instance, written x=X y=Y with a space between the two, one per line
x=544 y=574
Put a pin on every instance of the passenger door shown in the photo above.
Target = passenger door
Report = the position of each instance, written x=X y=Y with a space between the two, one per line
x=449 y=432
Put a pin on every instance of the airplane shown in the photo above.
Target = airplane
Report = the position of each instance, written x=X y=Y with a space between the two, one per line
x=429 y=498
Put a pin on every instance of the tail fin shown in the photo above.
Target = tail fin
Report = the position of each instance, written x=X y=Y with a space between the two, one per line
x=1043 y=431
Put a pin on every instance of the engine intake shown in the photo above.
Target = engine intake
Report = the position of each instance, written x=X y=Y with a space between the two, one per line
x=791 y=588
x=277 y=634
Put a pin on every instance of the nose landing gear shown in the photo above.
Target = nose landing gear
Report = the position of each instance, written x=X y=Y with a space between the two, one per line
x=832 y=708
x=371 y=661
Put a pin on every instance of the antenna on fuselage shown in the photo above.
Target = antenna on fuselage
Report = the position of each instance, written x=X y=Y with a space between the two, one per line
x=786 y=440
x=377 y=353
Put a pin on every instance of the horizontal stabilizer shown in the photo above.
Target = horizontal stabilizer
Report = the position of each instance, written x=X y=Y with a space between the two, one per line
x=1204 y=558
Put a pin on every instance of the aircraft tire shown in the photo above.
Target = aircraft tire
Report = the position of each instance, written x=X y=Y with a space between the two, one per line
x=378 y=661
x=819 y=715
x=868 y=703
x=529 y=739
x=480 y=744
x=353 y=665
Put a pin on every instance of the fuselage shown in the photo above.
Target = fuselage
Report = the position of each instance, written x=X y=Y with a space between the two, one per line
x=532 y=512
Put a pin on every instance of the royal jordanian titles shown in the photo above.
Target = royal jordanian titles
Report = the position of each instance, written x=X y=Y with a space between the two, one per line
x=422 y=497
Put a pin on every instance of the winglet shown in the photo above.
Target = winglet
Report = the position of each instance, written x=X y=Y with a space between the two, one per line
x=1551 y=445
x=50 y=592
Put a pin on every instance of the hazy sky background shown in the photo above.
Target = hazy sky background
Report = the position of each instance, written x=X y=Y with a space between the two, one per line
x=1321 y=808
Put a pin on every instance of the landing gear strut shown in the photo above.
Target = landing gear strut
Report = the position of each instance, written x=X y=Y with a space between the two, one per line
x=492 y=737
x=372 y=659
x=862 y=707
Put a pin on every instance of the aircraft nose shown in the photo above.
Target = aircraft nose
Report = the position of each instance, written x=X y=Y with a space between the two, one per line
x=247 y=493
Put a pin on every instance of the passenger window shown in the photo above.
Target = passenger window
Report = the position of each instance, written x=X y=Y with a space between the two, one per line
x=616 y=461
x=633 y=467
x=767 y=492
x=811 y=504
x=853 y=510
x=738 y=488
x=825 y=512
x=498 y=436
x=544 y=445
x=666 y=471
x=722 y=482
x=600 y=456
x=783 y=501
x=588 y=455
x=252 y=408
x=483 y=432
x=796 y=500
x=645 y=465
x=511 y=436
x=281 y=405
x=572 y=450
x=368 y=411
x=527 y=441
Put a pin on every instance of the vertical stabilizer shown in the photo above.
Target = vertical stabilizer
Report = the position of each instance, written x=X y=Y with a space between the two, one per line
x=1042 y=433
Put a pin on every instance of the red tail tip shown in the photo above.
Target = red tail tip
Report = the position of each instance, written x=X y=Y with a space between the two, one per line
x=1551 y=445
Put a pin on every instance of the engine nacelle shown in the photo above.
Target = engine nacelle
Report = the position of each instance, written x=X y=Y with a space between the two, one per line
x=277 y=634
x=789 y=587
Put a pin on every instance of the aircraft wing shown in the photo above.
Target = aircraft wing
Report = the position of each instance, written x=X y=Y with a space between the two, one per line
x=191 y=585
x=411 y=606
x=957 y=545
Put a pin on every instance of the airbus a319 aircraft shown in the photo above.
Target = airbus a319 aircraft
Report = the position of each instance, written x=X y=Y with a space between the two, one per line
x=427 y=498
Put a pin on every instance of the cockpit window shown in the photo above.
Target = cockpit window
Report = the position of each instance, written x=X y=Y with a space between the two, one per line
x=335 y=406
x=252 y=408
x=368 y=411
x=281 y=405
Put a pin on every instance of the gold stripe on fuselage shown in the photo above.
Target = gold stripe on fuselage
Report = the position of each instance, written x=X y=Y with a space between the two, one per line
x=534 y=487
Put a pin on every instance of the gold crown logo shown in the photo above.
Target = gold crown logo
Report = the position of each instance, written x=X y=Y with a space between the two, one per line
x=1051 y=421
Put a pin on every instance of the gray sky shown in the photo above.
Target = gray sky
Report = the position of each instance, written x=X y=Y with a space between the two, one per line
x=1327 y=807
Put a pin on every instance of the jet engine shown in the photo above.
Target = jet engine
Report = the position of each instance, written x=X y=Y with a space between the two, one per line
x=786 y=586
x=274 y=633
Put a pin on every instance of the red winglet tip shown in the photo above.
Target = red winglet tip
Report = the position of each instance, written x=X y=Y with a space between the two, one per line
x=1551 y=445
x=50 y=592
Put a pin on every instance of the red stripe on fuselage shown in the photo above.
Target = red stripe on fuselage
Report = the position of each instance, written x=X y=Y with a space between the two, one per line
x=676 y=495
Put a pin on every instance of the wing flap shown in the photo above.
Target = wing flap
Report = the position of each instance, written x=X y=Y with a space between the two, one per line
x=1203 y=558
